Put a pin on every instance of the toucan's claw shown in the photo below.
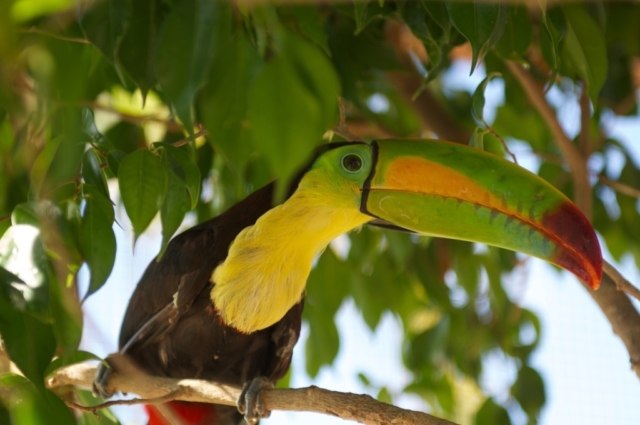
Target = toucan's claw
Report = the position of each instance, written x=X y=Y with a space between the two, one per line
x=250 y=401
x=100 y=383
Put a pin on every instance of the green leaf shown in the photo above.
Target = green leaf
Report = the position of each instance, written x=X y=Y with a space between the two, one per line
x=361 y=14
x=176 y=200
x=477 y=101
x=311 y=24
x=184 y=51
x=32 y=404
x=66 y=315
x=415 y=15
x=29 y=342
x=529 y=391
x=114 y=158
x=481 y=23
x=492 y=414
x=437 y=9
x=142 y=181
x=518 y=34
x=551 y=40
x=477 y=138
x=43 y=161
x=327 y=284
x=89 y=127
x=319 y=76
x=225 y=99
x=585 y=50
x=104 y=24
x=186 y=169
x=284 y=131
x=287 y=131
x=323 y=342
x=384 y=396
x=135 y=53
x=92 y=172
x=105 y=204
x=97 y=240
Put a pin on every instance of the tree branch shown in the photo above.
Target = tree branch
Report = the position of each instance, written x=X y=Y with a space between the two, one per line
x=623 y=316
x=619 y=187
x=621 y=283
x=575 y=160
x=431 y=113
x=361 y=408
x=616 y=305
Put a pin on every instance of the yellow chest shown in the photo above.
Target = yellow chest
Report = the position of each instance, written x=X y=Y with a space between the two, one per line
x=268 y=264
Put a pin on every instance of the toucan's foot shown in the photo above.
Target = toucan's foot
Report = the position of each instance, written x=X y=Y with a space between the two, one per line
x=250 y=400
x=100 y=382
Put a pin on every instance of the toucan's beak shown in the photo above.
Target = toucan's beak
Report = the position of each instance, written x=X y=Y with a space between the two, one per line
x=449 y=190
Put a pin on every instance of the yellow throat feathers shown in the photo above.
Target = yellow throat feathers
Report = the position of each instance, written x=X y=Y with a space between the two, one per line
x=268 y=264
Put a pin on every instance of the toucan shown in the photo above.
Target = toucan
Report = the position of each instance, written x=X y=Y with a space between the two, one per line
x=224 y=303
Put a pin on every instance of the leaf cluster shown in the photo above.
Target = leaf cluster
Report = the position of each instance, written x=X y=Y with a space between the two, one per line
x=183 y=107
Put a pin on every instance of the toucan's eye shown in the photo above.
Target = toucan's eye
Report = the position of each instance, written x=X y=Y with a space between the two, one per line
x=352 y=162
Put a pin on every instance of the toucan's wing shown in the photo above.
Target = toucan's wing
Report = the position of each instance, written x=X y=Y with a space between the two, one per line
x=161 y=323
x=169 y=287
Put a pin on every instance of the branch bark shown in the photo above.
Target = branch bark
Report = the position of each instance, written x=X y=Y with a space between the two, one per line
x=614 y=303
x=356 y=407
x=575 y=160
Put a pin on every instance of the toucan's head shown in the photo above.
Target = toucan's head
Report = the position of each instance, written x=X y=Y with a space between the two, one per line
x=427 y=187
x=453 y=191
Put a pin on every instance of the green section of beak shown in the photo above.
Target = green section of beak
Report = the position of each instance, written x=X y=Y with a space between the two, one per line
x=453 y=191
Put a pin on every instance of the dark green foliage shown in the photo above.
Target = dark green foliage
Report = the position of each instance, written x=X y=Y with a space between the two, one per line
x=260 y=86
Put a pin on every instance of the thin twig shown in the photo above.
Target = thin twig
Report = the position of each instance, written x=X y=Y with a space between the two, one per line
x=200 y=133
x=93 y=409
x=497 y=136
x=621 y=283
x=34 y=30
x=619 y=187
x=342 y=129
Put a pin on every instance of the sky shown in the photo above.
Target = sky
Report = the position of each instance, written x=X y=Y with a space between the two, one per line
x=584 y=365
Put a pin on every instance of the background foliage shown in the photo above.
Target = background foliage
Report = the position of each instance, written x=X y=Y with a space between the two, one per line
x=193 y=104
